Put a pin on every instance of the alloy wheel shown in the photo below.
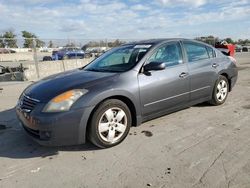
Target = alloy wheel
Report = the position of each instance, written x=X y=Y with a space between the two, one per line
x=112 y=125
x=222 y=90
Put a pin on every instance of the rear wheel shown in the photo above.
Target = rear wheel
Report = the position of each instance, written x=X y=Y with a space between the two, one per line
x=47 y=58
x=110 y=123
x=220 y=91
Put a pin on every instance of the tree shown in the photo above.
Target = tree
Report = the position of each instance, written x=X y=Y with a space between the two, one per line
x=71 y=45
x=208 y=39
x=39 y=43
x=243 y=42
x=2 y=45
x=116 y=43
x=29 y=40
x=51 y=45
x=93 y=44
x=229 y=41
x=10 y=39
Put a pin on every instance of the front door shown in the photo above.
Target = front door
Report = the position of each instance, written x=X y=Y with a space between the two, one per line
x=166 y=89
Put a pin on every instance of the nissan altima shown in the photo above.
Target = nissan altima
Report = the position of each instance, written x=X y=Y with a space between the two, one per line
x=124 y=87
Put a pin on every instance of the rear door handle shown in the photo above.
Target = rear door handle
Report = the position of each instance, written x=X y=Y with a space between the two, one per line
x=214 y=65
x=183 y=75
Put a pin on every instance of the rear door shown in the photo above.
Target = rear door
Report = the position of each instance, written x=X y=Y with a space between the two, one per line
x=202 y=70
x=166 y=89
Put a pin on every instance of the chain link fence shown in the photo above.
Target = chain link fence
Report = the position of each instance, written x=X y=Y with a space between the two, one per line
x=43 y=57
x=36 y=58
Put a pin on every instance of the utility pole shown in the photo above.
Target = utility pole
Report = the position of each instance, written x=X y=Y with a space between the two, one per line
x=35 y=58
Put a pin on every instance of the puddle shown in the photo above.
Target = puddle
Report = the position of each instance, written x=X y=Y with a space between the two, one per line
x=246 y=107
x=147 y=133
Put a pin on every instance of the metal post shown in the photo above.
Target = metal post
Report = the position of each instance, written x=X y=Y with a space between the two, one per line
x=63 y=66
x=35 y=58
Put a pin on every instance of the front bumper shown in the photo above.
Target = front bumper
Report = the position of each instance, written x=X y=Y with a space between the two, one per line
x=56 y=129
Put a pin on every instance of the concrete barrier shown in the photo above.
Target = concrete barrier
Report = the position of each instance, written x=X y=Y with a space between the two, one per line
x=22 y=56
x=47 y=68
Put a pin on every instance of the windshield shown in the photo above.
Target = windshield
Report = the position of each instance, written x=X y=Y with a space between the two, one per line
x=119 y=59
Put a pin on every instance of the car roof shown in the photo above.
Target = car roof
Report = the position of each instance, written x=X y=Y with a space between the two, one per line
x=149 y=41
x=162 y=40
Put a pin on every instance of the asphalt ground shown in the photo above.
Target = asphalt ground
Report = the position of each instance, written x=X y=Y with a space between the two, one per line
x=201 y=146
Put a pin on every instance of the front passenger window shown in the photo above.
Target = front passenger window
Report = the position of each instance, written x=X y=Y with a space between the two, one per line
x=169 y=54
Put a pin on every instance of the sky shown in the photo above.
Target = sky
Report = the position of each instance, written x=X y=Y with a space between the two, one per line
x=127 y=19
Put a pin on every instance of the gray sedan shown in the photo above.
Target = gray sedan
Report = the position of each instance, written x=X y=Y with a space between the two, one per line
x=125 y=87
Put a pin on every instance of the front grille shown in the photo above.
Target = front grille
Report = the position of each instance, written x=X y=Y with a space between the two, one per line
x=27 y=104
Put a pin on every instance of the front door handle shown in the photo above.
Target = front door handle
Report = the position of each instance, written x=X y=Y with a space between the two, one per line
x=183 y=75
x=215 y=65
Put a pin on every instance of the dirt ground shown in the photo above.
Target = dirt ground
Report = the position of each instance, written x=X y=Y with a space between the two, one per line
x=202 y=146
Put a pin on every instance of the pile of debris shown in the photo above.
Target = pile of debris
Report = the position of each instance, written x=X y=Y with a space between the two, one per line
x=226 y=48
x=12 y=73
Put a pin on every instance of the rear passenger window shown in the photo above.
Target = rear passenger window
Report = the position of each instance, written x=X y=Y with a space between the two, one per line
x=196 y=52
x=211 y=52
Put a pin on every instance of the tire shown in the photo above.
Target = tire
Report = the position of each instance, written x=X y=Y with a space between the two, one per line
x=220 y=92
x=2 y=70
x=47 y=58
x=106 y=129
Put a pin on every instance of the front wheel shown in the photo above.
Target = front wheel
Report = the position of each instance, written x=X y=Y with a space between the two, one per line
x=220 y=91
x=110 y=123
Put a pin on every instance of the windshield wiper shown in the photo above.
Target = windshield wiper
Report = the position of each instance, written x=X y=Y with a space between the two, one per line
x=94 y=70
x=102 y=70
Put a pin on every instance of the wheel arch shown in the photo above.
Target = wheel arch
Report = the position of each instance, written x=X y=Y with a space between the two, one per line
x=122 y=98
x=228 y=79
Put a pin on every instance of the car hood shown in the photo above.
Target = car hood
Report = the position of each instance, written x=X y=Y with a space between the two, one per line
x=49 y=87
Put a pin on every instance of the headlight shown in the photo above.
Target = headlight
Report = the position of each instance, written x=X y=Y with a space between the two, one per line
x=64 y=101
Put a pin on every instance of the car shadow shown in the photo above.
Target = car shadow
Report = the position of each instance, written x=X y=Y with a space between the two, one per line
x=204 y=104
x=15 y=143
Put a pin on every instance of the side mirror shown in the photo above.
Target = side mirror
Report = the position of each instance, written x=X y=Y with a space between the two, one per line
x=154 y=66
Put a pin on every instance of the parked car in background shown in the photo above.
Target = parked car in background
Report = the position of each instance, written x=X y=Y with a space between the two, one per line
x=6 y=51
x=124 y=87
x=95 y=51
x=245 y=49
x=47 y=58
x=68 y=53
x=238 y=48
